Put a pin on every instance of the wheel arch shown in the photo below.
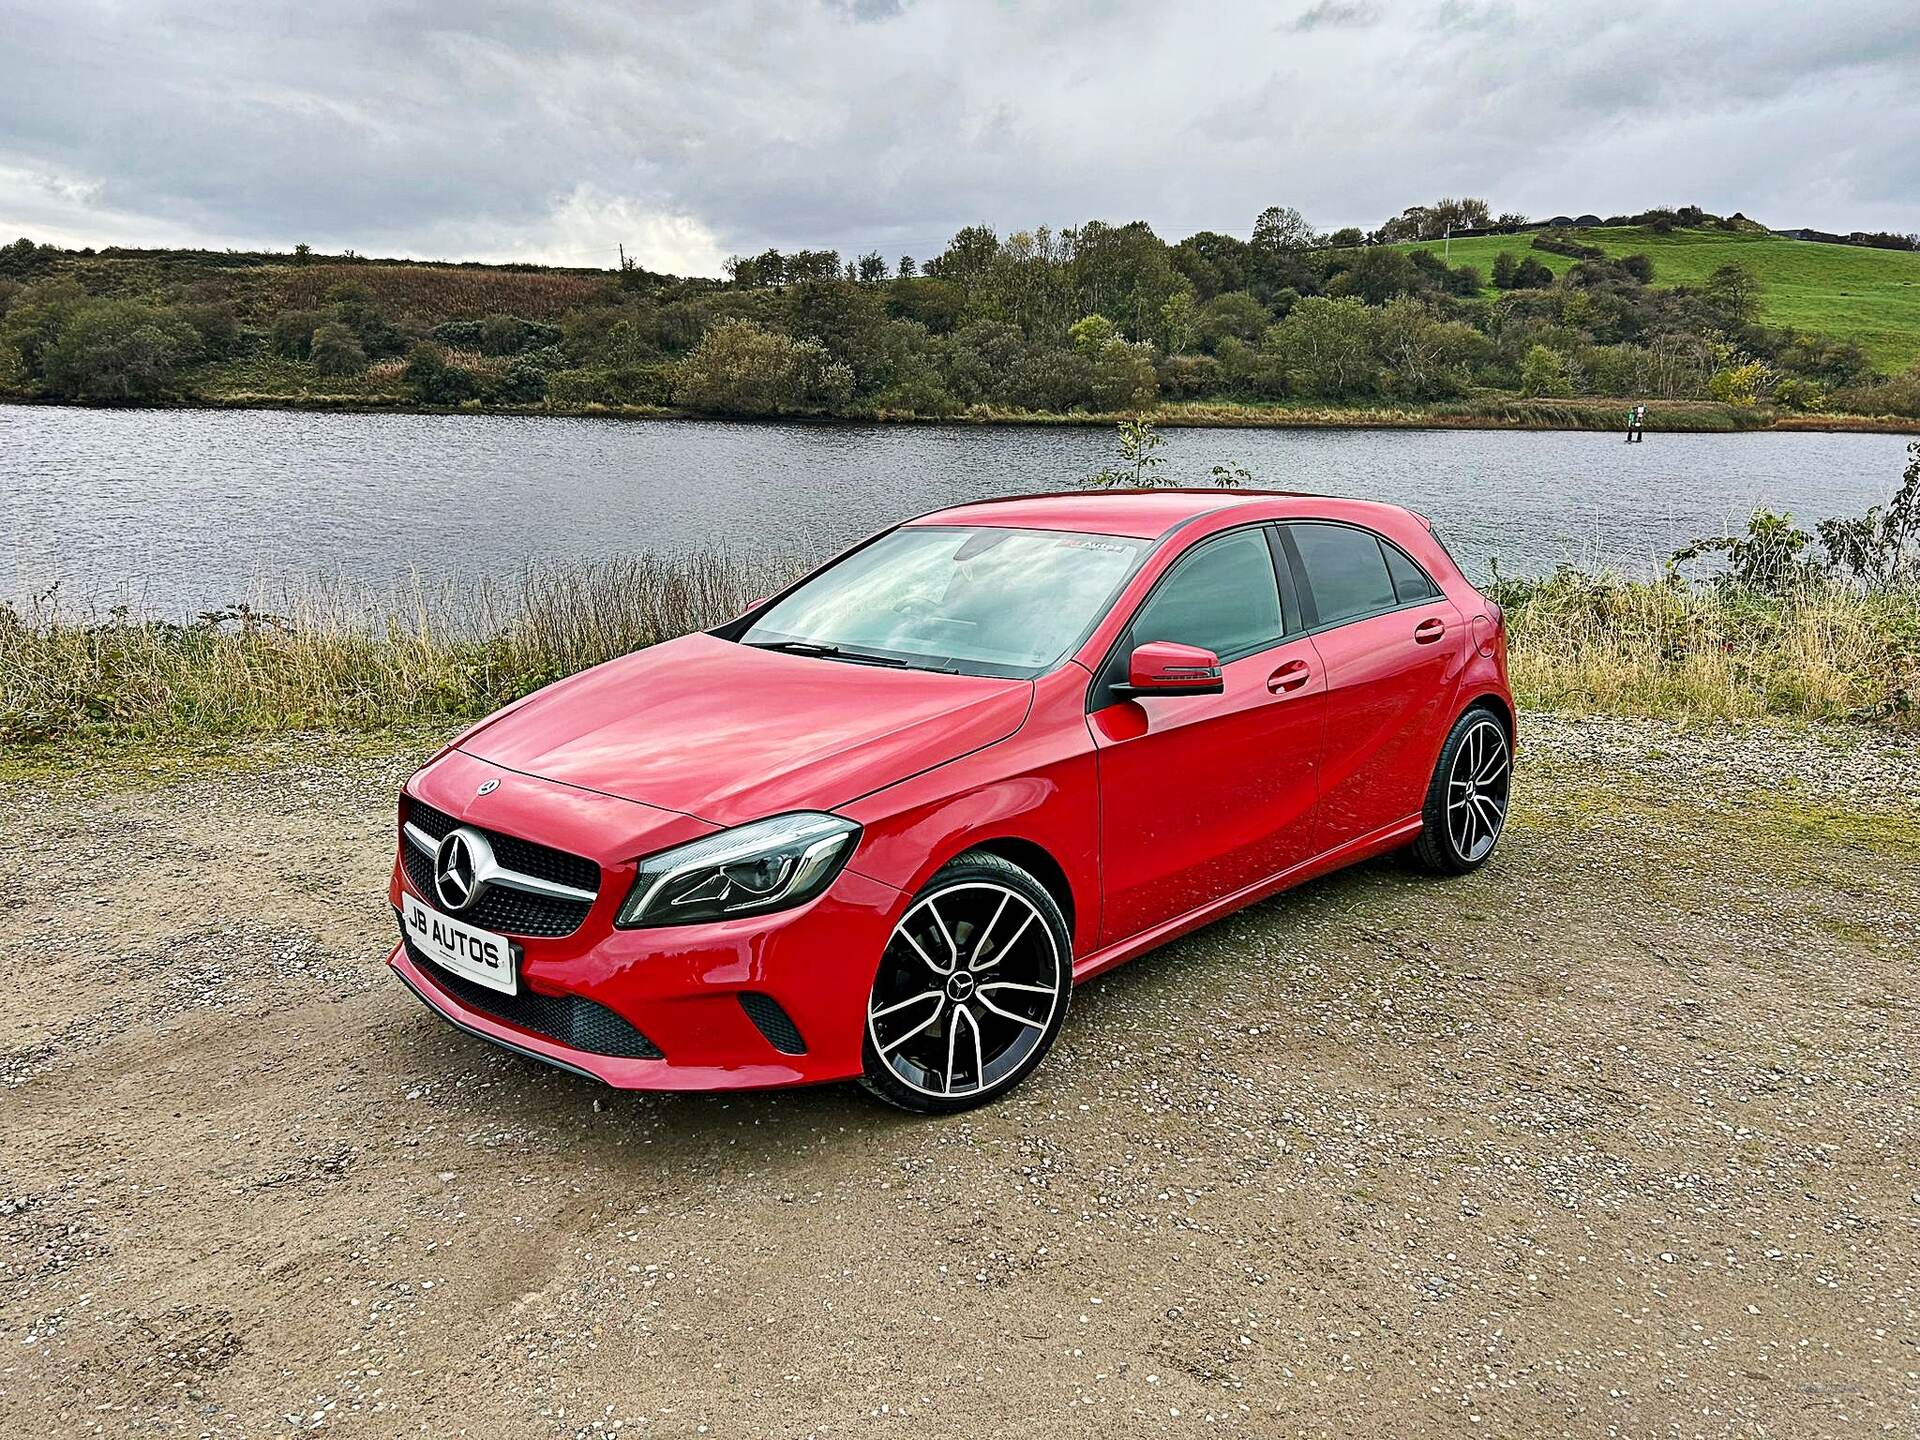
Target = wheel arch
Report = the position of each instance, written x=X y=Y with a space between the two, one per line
x=1033 y=858
x=1500 y=707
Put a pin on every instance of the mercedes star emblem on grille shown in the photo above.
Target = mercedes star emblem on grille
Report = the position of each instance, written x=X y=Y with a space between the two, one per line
x=463 y=857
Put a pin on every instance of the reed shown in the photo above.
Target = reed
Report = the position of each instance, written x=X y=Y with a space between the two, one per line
x=328 y=654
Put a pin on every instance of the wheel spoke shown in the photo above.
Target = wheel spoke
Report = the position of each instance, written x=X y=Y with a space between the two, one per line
x=953 y=1040
x=1492 y=770
x=925 y=1024
x=907 y=935
x=1012 y=985
x=945 y=934
x=1012 y=941
x=903 y=1004
x=1012 y=1015
x=980 y=940
x=979 y=1053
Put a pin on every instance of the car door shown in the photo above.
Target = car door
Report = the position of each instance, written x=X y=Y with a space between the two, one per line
x=1203 y=795
x=1390 y=646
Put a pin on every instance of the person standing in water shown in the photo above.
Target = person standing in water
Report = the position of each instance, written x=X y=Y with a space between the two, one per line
x=1636 y=424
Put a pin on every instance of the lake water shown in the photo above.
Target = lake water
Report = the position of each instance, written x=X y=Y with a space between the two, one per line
x=177 y=510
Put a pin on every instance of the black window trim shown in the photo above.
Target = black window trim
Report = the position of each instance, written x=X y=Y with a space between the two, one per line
x=1292 y=617
x=1311 y=610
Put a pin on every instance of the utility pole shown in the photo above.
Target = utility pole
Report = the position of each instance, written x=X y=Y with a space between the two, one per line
x=1446 y=247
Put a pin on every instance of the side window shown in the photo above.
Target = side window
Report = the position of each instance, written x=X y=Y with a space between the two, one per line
x=1223 y=597
x=1410 y=582
x=1345 y=570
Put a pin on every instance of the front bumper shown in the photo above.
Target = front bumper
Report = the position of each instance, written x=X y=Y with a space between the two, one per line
x=687 y=990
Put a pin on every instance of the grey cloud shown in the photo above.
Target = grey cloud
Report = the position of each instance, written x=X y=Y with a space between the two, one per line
x=556 y=129
x=1336 y=14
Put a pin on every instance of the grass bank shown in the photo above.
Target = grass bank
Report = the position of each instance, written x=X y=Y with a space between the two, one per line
x=1490 y=413
x=1843 y=292
x=340 y=658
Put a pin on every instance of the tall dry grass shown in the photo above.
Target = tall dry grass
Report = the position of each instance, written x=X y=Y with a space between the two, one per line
x=334 y=655
x=1822 y=650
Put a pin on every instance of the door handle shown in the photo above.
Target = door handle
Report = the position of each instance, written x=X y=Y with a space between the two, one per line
x=1428 y=631
x=1289 y=677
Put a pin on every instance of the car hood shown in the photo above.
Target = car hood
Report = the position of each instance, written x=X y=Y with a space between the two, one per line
x=729 y=733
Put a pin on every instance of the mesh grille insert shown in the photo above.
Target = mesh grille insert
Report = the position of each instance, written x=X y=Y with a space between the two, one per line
x=513 y=912
x=572 y=1020
x=773 y=1022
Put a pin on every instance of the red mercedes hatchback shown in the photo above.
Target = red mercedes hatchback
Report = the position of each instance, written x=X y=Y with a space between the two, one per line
x=879 y=826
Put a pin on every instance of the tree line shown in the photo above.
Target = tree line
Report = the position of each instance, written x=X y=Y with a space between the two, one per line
x=1094 y=317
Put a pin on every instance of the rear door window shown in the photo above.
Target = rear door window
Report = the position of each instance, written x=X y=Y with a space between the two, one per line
x=1346 y=571
x=1410 y=582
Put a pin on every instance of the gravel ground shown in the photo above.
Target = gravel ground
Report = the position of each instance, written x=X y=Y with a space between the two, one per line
x=1616 y=1137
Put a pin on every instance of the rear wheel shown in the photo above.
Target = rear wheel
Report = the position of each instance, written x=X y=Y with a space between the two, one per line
x=972 y=988
x=1466 y=809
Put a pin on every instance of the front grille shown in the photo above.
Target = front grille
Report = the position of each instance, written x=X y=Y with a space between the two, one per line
x=573 y=1020
x=773 y=1022
x=513 y=912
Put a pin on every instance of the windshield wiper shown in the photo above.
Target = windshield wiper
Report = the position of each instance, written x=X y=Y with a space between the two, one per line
x=826 y=652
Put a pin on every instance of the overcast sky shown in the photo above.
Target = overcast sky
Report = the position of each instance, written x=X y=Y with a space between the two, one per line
x=555 y=130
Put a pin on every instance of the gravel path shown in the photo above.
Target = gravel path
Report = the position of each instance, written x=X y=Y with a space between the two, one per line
x=1617 y=1136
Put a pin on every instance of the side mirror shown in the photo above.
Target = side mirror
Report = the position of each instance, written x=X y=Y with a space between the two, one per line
x=1165 y=667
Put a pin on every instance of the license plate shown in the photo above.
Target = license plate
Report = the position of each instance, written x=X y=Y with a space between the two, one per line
x=468 y=951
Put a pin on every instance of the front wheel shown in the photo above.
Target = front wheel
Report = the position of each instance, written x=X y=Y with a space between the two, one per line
x=1466 y=809
x=972 y=989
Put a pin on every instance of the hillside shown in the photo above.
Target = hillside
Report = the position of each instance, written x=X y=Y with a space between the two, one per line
x=1077 y=325
x=1842 y=292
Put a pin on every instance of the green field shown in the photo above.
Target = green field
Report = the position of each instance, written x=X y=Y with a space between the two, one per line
x=1846 y=292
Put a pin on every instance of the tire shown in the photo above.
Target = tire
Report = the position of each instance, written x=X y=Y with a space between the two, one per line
x=940 y=1038
x=1468 y=798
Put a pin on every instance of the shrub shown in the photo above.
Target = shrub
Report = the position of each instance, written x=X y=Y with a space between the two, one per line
x=117 y=350
x=431 y=379
x=336 y=351
x=1545 y=373
x=740 y=368
x=292 y=333
x=523 y=384
x=1741 y=385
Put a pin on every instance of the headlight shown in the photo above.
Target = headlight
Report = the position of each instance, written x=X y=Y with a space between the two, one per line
x=769 y=865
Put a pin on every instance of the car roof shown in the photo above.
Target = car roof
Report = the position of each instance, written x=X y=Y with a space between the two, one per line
x=1149 y=514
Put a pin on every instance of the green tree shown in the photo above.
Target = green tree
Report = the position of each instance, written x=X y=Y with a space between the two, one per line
x=335 y=351
x=1236 y=315
x=1124 y=377
x=1545 y=373
x=35 y=319
x=1325 y=347
x=1733 y=291
x=1091 y=335
x=292 y=334
x=740 y=368
x=1504 y=266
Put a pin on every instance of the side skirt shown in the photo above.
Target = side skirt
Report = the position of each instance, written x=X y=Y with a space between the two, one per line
x=1354 y=851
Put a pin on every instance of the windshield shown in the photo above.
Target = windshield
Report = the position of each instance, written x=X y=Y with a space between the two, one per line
x=970 y=598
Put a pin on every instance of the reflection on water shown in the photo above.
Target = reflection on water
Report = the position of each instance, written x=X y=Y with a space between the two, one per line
x=181 y=509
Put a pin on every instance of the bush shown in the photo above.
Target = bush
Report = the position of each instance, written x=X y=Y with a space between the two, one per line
x=740 y=368
x=336 y=351
x=1796 y=392
x=523 y=384
x=292 y=333
x=117 y=350
x=612 y=385
x=498 y=335
x=432 y=380
x=1545 y=373
x=1740 y=385
x=1899 y=396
